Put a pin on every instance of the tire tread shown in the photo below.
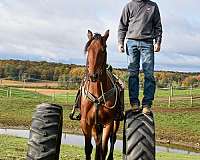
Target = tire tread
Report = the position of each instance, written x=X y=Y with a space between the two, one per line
x=139 y=136
x=45 y=133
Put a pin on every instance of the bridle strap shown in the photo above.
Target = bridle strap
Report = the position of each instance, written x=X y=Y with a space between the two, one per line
x=104 y=96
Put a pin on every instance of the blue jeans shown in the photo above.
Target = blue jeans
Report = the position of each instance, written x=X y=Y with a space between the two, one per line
x=145 y=50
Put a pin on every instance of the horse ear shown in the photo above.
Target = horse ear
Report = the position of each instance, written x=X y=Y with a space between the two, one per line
x=106 y=35
x=90 y=34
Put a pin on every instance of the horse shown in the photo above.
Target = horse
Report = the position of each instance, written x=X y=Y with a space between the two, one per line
x=98 y=100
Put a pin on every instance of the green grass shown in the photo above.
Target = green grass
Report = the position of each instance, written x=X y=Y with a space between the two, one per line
x=16 y=111
x=161 y=97
x=178 y=126
x=13 y=92
x=172 y=156
x=12 y=148
x=183 y=121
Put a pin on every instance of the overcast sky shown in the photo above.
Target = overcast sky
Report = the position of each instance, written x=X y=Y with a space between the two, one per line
x=55 y=30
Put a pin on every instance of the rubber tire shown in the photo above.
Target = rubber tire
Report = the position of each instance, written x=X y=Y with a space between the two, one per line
x=139 y=136
x=45 y=133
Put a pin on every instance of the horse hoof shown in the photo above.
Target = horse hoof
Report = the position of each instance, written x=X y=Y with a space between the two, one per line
x=110 y=158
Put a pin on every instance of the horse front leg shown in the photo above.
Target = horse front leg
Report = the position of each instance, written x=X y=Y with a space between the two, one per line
x=107 y=131
x=113 y=138
x=88 y=147
x=98 y=140
x=87 y=131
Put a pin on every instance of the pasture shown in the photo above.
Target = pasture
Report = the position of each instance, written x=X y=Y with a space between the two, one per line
x=176 y=124
x=17 y=150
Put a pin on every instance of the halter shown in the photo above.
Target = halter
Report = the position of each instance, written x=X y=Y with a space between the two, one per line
x=98 y=101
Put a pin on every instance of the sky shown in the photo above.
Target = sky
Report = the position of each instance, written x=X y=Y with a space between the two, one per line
x=56 y=31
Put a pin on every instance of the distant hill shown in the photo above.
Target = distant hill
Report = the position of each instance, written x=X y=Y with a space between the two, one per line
x=37 y=71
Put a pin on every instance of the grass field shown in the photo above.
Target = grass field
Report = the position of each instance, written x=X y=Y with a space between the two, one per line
x=12 y=148
x=175 y=124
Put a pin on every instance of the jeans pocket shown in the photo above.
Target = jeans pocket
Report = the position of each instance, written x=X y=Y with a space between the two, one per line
x=127 y=49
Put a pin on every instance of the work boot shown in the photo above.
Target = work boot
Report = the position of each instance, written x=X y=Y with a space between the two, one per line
x=146 y=109
x=135 y=107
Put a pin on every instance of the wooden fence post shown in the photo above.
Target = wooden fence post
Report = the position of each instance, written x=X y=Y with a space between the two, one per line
x=169 y=102
x=191 y=88
x=66 y=98
x=191 y=101
x=172 y=92
x=53 y=96
x=10 y=92
x=7 y=92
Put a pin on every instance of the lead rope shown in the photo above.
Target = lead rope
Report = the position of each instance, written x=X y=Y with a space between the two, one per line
x=102 y=92
x=87 y=87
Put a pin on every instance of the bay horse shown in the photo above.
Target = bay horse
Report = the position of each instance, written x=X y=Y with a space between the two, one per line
x=98 y=100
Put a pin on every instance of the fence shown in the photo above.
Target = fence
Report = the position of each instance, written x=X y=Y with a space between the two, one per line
x=47 y=95
x=181 y=95
x=164 y=96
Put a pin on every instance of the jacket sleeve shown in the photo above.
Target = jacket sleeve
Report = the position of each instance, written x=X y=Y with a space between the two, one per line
x=157 y=26
x=123 y=25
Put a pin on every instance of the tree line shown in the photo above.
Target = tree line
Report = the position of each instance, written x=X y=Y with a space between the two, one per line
x=39 y=71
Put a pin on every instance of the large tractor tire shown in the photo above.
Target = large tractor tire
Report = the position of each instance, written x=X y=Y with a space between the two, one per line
x=139 y=136
x=45 y=133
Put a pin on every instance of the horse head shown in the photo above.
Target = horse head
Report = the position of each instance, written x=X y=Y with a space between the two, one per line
x=96 y=55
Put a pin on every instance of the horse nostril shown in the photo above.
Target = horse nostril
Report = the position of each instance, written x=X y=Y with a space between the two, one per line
x=94 y=77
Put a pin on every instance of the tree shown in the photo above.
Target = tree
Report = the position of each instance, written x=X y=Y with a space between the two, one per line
x=10 y=71
x=188 y=81
x=1 y=72
x=20 y=70
x=77 y=72
x=57 y=73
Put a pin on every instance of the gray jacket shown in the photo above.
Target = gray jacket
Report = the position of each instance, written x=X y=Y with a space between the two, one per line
x=140 y=20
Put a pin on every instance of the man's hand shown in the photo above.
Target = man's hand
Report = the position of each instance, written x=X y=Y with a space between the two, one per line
x=157 y=47
x=121 y=48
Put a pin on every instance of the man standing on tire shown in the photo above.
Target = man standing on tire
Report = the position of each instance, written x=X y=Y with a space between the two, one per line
x=140 y=24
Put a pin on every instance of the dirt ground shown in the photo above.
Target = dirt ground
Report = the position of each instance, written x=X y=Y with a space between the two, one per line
x=45 y=91
x=28 y=84
x=171 y=110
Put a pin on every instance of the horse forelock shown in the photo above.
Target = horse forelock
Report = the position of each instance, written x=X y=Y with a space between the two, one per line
x=96 y=36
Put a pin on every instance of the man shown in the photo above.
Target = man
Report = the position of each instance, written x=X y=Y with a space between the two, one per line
x=140 y=24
